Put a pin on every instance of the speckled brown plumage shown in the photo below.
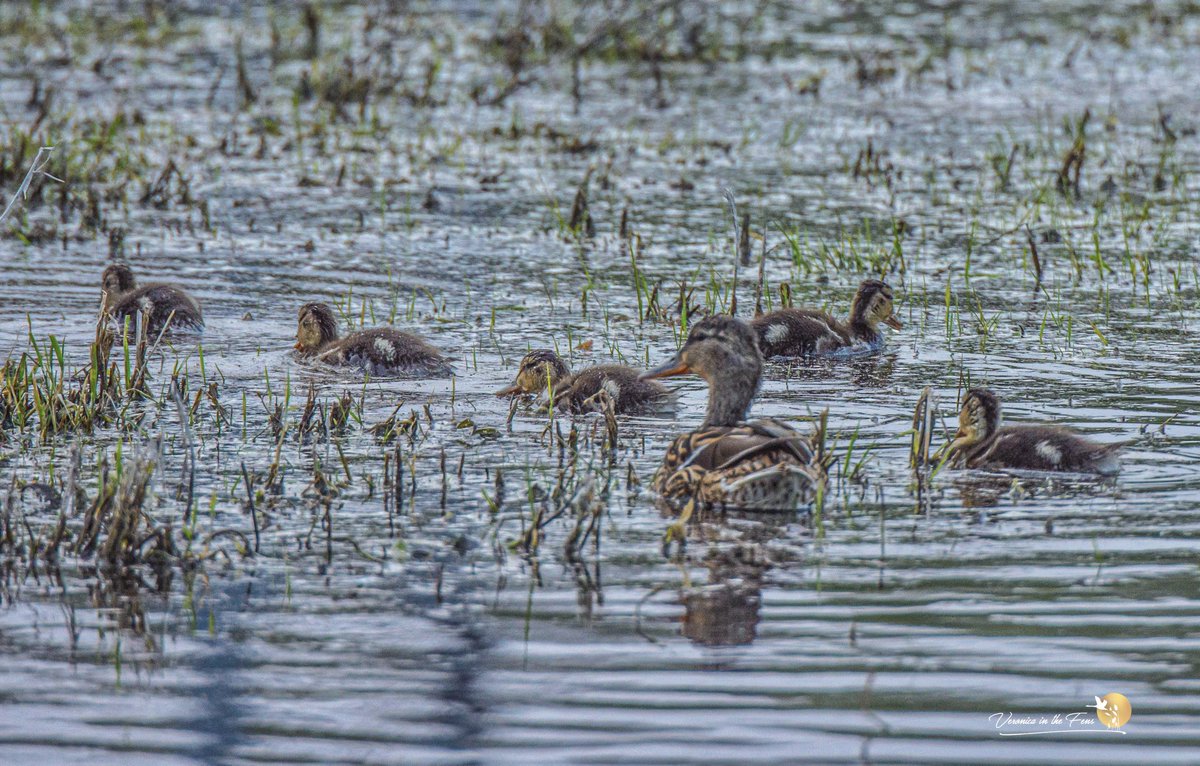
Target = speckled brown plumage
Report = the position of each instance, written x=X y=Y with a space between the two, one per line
x=380 y=351
x=629 y=393
x=981 y=442
x=760 y=465
x=541 y=370
x=757 y=465
x=166 y=306
x=805 y=332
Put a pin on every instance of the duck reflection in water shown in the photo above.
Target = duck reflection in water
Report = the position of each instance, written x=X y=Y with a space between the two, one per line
x=988 y=491
x=872 y=370
x=862 y=370
x=725 y=612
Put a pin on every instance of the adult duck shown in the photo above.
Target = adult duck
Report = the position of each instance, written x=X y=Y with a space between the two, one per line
x=729 y=461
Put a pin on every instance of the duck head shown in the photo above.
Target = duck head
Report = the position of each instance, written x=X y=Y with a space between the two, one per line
x=723 y=350
x=317 y=327
x=872 y=305
x=117 y=279
x=539 y=370
x=978 y=420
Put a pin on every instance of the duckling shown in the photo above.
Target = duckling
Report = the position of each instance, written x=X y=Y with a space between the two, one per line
x=756 y=465
x=380 y=351
x=121 y=298
x=582 y=391
x=982 y=443
x=804 y=332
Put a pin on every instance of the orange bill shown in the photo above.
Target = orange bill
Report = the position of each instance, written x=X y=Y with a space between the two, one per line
x=674 y=367
x=893 y=323
x=512 y=390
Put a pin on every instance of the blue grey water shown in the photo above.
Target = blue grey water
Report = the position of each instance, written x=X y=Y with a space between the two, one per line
x=884 y=629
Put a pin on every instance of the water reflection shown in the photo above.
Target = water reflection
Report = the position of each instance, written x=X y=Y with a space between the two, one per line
x=726 y=611
x=588 y=589
x=362 y=651
x=873 y=370
x=977 y=489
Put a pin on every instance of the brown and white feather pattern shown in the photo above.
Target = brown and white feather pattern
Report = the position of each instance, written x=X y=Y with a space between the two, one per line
x=800 y=332
x=385 y=351
x=619 y=382
x=1043 y=448
x=163 y=304
x=805 y=332
x=760 y=465
x=159 y=305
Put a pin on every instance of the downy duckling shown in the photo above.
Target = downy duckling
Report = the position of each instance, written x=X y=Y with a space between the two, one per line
x=757 y=465
x=161 y=304
x=380 y=351
x=543 y=370
x=981 y=442
x=805 y=332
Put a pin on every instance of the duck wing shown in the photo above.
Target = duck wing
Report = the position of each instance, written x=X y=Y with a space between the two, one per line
x=761 y=465
x=721 y=448
x=1047 y=448
x=620 y=382
x=799 y=332
x=385 y=351
x=160 y=303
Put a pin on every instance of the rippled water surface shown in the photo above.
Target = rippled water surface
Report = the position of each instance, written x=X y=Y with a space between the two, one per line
x=920 y=143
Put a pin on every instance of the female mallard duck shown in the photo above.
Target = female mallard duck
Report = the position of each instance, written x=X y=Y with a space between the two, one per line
x=982 y=443
x=160 y=304
x=381 y=351
x=804 y=332
x=543 y=370
x=757 y=465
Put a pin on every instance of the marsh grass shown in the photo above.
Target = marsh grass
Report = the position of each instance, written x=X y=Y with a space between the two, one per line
x=317 y=105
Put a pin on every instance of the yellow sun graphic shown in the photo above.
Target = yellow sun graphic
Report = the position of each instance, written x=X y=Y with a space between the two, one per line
x=1113 y=710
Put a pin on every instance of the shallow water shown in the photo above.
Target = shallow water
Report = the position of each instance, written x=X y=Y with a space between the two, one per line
x=883 y=628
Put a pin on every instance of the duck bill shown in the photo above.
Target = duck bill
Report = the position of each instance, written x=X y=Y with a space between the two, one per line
x=893 y=323
x=299 y=346
x=963 y=438
x=512 y=390
x=672 y=368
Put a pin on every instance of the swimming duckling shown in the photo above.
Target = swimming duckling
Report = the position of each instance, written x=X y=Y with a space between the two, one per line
x=582 y=391
x=756 y=465
x=804 y=332
x=121 y=298
x=982 y=443
x=381 y=351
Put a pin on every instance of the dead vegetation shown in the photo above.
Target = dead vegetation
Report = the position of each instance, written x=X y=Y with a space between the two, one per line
x=186 y=471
